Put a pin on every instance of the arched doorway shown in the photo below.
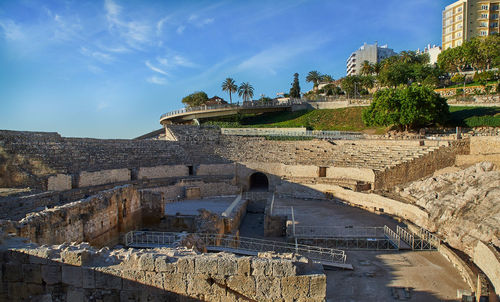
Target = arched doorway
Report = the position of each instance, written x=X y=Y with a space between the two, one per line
x=259 y=182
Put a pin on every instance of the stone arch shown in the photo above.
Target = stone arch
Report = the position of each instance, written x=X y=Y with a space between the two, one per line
x=258 y=182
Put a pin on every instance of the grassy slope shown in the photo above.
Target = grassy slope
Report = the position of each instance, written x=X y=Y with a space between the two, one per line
x=343 y=119
x=349 y=119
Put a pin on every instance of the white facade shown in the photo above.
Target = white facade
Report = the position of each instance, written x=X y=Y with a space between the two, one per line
x=371 y=53
x=433 y=52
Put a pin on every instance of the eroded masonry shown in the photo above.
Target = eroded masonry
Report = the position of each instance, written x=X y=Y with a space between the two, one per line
x=205 y=216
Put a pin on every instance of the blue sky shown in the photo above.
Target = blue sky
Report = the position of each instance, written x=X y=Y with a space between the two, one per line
x=110 y=68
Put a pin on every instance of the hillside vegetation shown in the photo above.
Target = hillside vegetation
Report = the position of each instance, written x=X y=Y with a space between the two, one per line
x=348 y=119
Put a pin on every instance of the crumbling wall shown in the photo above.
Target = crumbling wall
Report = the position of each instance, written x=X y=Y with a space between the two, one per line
x=80 y=273
x=96 y=219
x=88 y=179
x=163 y=171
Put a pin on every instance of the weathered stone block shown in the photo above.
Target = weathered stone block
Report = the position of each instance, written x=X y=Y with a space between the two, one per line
x=198 y=285
x=163 y=265
x=185 y=265
x=133 y=279
x=267 y=288
x=13 y=272
x=295 y=287
x=154 y=279
x=205 y=265
x=227 y=266
x=77 y=258
x=106 y=279
x=244 y=267
x=175 y=283
x=51 y=274
x=17 y=290
x=32 y=273
x=59 y=182
x=88 y=277
x=34 y=289
x=72 y=275
x=283 y=268
x=261 y=267
x=147 y=262
x=317 y=286
x=243 y=285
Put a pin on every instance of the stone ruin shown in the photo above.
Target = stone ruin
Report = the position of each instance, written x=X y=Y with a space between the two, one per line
x=91 y=190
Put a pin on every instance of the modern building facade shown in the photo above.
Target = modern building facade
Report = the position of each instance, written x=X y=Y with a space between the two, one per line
x=371 y=53
x=466 y=19
x=433 y=52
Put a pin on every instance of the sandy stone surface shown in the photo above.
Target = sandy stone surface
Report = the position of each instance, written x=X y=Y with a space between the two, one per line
x=463 y=205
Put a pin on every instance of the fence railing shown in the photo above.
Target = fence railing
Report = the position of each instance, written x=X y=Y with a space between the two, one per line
x=300 y=132
x=143 y=239
x=422 y=240
x=257 y=104
x=338 y=231
x=392 y=236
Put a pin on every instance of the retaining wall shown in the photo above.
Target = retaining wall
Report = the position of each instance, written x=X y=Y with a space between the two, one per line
x=487 y=258
x=79 y=273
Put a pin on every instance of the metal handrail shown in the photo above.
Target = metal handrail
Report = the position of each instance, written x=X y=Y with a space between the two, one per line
x=337 y=231
x=155 y=239
x=392 y=236
x=257 y=104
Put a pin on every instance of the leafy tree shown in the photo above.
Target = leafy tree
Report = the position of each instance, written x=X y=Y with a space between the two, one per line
x=457 y=78
x=245 y=91
x=229 y=86
x=353 y=85
x=295 y=90
x=326 y=78
x=332 y=89
x=195 y=99
x=431 y=81
x=367 y=68
x=314 y=77
x=406 y=107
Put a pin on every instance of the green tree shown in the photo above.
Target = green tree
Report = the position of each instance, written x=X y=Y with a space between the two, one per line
x=367 y=68
x=229 y=86
x=245 y=91
x=406 y=107
x=195 y=99
x=489 y=48
x=353 y=85
x=458 y=78
x=314 y=77
x=295 y=90
x=326 y=78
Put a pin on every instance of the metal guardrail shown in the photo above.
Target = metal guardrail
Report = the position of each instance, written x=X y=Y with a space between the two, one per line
x=392 y=236
x=338 y=231
x=422 y=240
x=292 y=133
x=143 y=239
x=271 y=104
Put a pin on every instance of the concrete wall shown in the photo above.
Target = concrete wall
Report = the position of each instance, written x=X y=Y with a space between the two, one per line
x=79 y=273
x=163 y=171
x=59 y=182
x=484 y=145
x=487 y=258
x=215 y=169
x=87 y=179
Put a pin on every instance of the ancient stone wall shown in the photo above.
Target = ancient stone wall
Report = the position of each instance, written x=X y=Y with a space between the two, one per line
x=163 y=171
x=80 y=273
x=96 y=219
x=59 y=182
x=484 y=145
x=422 y=166
x=487 y=258
x=88 y=179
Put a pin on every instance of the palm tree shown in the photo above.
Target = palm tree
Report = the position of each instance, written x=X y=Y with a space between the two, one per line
x=245 y=91
x=366 y=68
x=230 y=87
x=313 y=76
x=326 y=78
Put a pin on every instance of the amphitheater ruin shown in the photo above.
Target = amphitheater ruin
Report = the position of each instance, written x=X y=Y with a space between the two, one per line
x=203 y=215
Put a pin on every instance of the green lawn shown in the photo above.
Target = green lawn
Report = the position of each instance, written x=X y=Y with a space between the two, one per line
x=474 y=116
x=343 y=119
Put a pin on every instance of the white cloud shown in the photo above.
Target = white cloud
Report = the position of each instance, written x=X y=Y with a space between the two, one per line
x=95 y=69
x=159 y=24
x=278 y=55
x=180 y=29
x=11 y=30
x=102 y=105
x=174 y=61
x=196 y=21
x=136 y=34
x=155 y=69
x=100 y=56
x=157 y=80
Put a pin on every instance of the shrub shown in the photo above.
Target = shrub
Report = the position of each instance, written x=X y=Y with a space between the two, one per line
x=406 y=107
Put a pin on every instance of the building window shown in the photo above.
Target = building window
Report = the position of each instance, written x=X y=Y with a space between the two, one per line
x=494 y=16
x=483 y=33
x=459 y=26
x=484 y=16
x=458 y=35
x=494 y=7
x=494 y=24
x=483 y=24
x=459 y=18
x=459 y=43
x=484 y=7
x=459 y=10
